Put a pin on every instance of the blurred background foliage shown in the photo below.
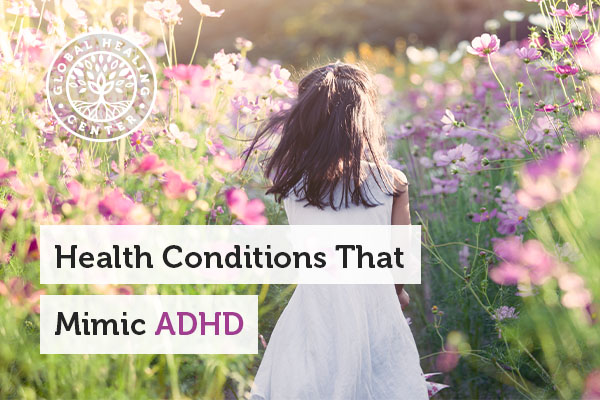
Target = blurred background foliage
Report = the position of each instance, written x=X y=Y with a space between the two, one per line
x=304 y=32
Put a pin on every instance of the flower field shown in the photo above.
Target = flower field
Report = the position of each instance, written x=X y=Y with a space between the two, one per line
x=499 y=142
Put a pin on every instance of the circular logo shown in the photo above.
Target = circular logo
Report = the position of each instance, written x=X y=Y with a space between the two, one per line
x=101 y=86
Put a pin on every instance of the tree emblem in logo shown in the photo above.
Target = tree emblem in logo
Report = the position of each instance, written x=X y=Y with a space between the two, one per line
x=101 y=87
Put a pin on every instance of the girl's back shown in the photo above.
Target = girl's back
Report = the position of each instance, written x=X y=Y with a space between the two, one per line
x=299 y=212
x=329 y=167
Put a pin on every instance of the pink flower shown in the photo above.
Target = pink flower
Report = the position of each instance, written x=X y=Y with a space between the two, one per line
x=448 y=359
x=224 y=162
x=137 y=37
x=572 y=11
x=551 y=107
x=576 y=295
x=250 y=212
x=179 y=137
x=522 y=263
x=448 y=121
x=589 y=59
x=568 y=41
x=513 y=213
x=484 y=45
x=115 y=203
x=585 y=40
x=56 y=25
x=243 y=44
x=243 y=105
x=20 y=293
x=33 y=250
x=23 y=8
x=120 y=208
x=280 y=79
x=548 y=180
x=565 y=70
x=166 y=11
x=440 y=186
x=32 y=43
x=150 y=163
x=174 y=186
x=528 y=54
x=587 y=124
x=484 y=216
x=205 y=10
x=592 y=386
x=464 y=156
x=140 y=142
x=123 y=290
x=5 y=172
x=183 y=72
x=72 y=8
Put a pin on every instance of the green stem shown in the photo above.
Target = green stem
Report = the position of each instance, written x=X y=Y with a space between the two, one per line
x=197 y=40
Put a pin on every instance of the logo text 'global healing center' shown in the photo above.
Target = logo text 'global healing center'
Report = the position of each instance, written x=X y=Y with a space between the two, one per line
x=101 y=86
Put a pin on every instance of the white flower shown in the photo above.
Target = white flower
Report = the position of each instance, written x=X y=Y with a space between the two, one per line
x=539 y=20
x=205 y=10
x=449 y=121
x=491 y=25
x=513 y=16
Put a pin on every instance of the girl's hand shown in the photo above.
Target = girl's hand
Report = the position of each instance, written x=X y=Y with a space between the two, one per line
x=404 y=299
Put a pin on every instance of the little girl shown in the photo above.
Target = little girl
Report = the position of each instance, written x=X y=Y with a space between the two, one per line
x=329 y=167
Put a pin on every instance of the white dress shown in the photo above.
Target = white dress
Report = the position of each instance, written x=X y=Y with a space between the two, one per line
x=341 y=341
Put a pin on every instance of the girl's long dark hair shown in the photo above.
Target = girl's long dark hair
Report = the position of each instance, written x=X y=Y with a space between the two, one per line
x=331 y=129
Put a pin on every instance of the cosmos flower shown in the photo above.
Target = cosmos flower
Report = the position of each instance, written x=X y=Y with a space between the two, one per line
x=205 y=10
x=280 y=79
x=179 y=137
x=484 y=45
x=21 y=294
x=552 y=107
x=484 y=216
x=566 y=70
x=448 y=121
x=592 y=386
x=72 y=8
x=520 y=262
x=571 y=11
x=513 y=16
x=5 y=171
x=587 y=124
x=140 y=142
x=589 y=58
x=440 y=185
x=175 y=186
x=548 y=180
x=575 y=293
x=150 y=163
x=528 y=54
x=226 y=163
x=183 y=72
x=166 y=11
x=24 y=8
x=463 y=156
x=243 y=44
x=249 y=212
x=115 y=203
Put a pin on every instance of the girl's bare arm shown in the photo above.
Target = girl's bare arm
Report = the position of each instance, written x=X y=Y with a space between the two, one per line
x=401 y=216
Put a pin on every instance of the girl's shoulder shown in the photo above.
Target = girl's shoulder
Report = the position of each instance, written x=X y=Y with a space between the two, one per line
x=393 y=176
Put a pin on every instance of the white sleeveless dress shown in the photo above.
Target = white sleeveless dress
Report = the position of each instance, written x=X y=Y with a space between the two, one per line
x=341 y=341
